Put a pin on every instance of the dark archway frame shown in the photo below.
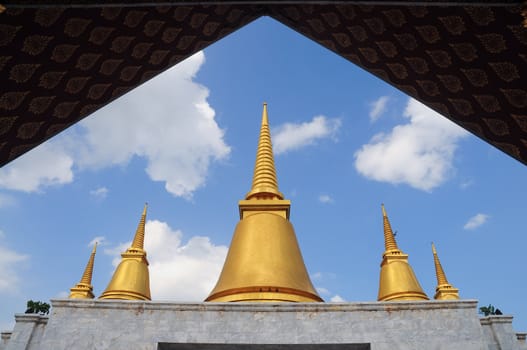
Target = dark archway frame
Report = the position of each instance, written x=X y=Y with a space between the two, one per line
x=62 y=60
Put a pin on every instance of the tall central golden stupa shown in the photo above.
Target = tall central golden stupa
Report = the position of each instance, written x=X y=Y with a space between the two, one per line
x=264 y=262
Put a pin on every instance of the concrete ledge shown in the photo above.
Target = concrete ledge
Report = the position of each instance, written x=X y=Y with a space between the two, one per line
x=33 y=318
x=496 y=319
x=267 y=307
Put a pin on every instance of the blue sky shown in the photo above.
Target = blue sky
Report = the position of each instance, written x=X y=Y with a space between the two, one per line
x=185 y=142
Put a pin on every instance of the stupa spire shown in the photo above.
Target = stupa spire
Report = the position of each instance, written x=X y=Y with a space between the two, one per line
x=444 y=290
x=265 y=184
x=264 y=262
x=139 y=238
x=397 y=279
x=389 y=237
x=84 y=289
x=131 y=279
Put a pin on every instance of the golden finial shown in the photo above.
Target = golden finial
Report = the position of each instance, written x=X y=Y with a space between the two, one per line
x=397 y=279
x=444 y=290
x=84 y=289
x=440 y=274
x=131 y=279
x=389 y=238
x=265 y=184
x=264 y=262
x=139 y=238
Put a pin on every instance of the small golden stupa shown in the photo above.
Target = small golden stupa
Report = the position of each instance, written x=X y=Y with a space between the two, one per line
x=84 y=289
x=264 y=262
x=131 y=279
x=444 y=290
x=397 y=280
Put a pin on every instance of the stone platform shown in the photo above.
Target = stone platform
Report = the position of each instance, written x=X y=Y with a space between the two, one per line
x=139 y=325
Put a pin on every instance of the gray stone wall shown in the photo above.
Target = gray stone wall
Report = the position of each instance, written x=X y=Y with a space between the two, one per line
x=522 y=340
x=4 y=340
x=499 y=334
x=28 y=332
x=101 y=324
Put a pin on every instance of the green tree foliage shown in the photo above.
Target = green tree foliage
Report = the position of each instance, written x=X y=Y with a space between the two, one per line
x=37 y=307
x=489 y=310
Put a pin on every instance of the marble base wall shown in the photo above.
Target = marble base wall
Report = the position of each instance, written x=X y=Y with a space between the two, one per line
x=499 y=333
x=103 y=324
x=27 y=333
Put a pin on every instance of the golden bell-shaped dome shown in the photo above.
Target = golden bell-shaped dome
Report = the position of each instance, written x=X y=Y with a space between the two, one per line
x=131 y=279
x=84 y=289
x=264 y=262
x=397 y=280
x=444 y=290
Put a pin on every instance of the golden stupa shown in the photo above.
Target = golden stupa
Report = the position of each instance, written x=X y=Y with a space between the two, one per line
x=84 y=289
x=264 y=262
x=397 y=280
x=444 y=290
x=131 y=279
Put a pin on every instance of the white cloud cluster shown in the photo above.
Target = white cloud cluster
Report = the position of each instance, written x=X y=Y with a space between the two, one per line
x=324 y=198
x=321 y=277
x=167 y=121
x=290 y=136
x=418 y=153
x=378 y=107
x=337 y=299
x=46 y=165
x=476 y=221
x=99 y=193
x=10 y=261
x=100 y=240
x=178 y=271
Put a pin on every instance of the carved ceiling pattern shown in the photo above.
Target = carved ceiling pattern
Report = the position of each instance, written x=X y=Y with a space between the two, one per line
x=58 y=65
x=467 y=63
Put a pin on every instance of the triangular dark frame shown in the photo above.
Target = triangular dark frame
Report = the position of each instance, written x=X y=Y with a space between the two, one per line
x=60 y=61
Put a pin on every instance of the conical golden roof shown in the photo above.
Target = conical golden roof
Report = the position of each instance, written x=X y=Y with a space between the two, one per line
x=84 y=289
x=397 y=279
x=131 y=279
x=264 y=262
x=444 y=290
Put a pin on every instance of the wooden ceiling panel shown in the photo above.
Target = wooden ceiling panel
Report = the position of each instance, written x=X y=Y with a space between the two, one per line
x=60 y=64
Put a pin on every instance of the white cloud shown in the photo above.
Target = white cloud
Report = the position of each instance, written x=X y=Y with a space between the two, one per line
x=323 y=276
x=466 y=184
x=62 y=295
x=316 y=276
x=291 y=136
x=99 y=193
x=419 y=153
x=168 y=121
x=322 y=291
x=100 y=240
x=46 y=165
x=324 y=198
x=178 y=271
x=378 y=107
x=10 y=261
x=337 y=299
x=476 y=221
